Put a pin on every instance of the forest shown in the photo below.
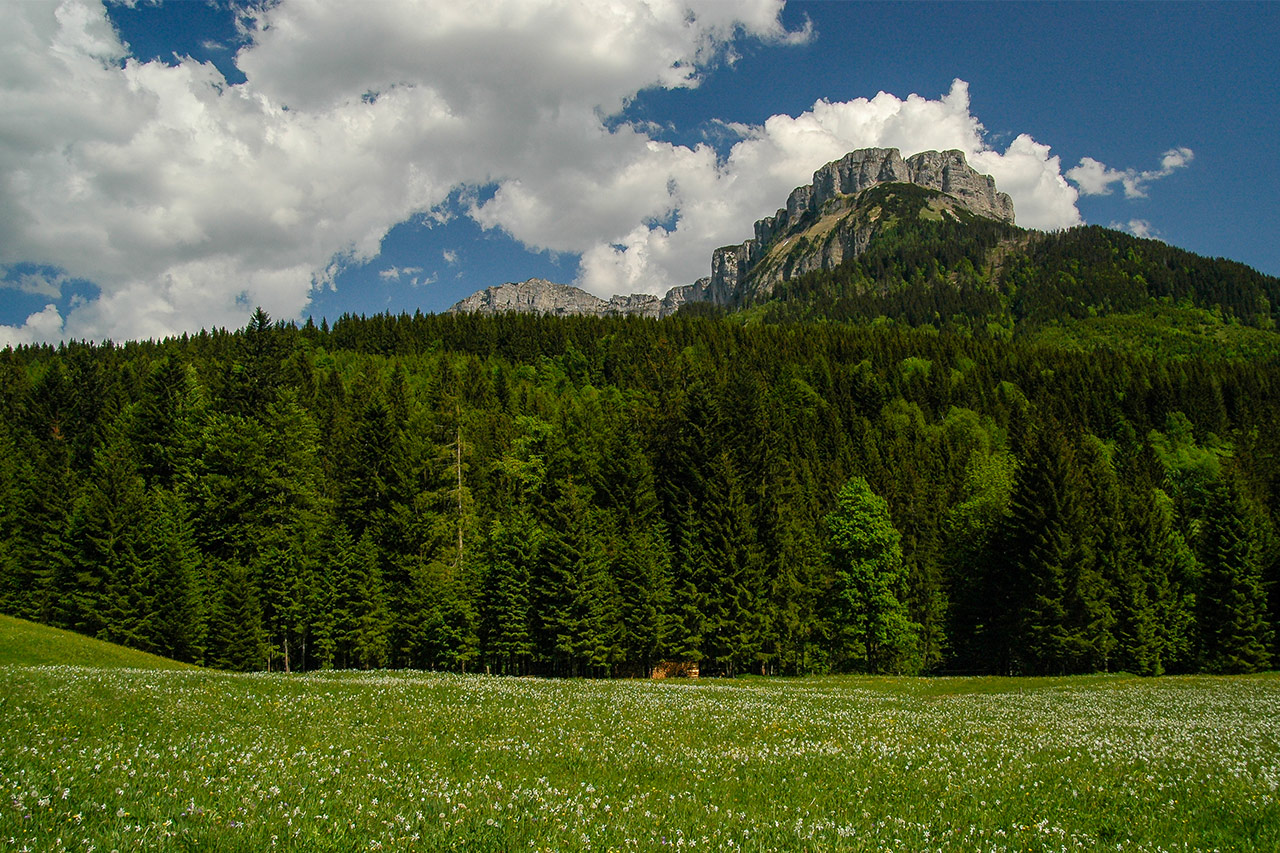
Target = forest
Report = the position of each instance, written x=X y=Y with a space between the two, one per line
x=803 y=486
x=587 y=496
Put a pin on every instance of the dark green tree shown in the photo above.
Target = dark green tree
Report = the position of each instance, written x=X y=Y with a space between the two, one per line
x=1058 y=615
x=235 y=639
x=1234 y=633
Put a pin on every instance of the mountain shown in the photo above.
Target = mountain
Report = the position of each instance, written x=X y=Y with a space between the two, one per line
x=928 y=241
x=829 y=221
x=822 y=225
x=539 y=296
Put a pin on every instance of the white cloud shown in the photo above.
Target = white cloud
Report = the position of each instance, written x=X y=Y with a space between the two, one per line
x=450 y=256
x=1138 y=228
x=189 y=200
x=717 y=203
x=1095 y=178
x=395 y=273
x=37 y=283
x=44 y=325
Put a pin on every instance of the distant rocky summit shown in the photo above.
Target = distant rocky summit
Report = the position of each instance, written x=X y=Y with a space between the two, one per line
x=821 y=227
x=539 y=296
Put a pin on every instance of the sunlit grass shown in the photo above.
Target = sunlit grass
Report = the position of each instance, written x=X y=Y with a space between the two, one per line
x=29 y=644
x=132 y=760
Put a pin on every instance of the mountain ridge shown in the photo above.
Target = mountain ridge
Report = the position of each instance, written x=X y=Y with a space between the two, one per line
x=755 y=267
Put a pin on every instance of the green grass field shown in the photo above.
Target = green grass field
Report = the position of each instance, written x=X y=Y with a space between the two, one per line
x=28 y=644
x=129 y=759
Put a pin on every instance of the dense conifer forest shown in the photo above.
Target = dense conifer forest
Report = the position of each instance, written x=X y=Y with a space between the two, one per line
x=984 y=485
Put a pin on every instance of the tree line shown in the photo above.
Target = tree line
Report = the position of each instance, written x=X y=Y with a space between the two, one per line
x=589 y=496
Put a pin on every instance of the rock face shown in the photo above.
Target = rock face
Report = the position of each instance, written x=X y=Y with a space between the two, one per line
x=818 y=229
x=539 y=296
x=834 y=188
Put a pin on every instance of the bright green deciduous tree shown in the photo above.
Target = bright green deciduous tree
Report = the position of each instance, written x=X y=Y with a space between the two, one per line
x=870 y=579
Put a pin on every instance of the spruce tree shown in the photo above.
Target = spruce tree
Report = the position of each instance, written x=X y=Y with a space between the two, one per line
x=172 y=561
x=371 y=642
x=1048 y=557
x=511 y=548
x=1234 y=633
x=736 y=595
x=235 y=637
x=1169 y=569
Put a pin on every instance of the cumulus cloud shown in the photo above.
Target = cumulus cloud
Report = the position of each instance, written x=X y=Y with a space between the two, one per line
x=38 y=283
x=1138 y=228
x=188 y=200
x=716 y=203
x=1095 y=178
x=44 y=325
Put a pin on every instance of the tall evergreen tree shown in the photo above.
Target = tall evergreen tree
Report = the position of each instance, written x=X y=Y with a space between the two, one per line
x=371 y=640
x=736 y=595
x=163 y=423
x=511 y=548
x=1169 y=569
x=1234 y=633
x=172 y=562
x=104 y=590
x=576 y=600
x=235 y=638
x=1057 y=613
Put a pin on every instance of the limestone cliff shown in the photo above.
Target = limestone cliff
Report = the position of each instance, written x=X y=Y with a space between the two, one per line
x=821 y=226
x=820 y=215
x=539 y=296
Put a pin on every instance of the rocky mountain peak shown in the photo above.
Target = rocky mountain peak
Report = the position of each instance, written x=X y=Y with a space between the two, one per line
x=539 y=296
x=820 y=212
x=818 y=229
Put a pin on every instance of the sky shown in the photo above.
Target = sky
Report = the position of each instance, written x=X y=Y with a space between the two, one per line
x=167 y=167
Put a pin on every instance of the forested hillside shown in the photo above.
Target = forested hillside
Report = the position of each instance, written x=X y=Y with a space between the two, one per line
x=1083 y=288
x=592 y=496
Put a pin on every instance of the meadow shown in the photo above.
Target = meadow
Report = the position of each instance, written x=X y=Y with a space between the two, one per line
x=100 y=759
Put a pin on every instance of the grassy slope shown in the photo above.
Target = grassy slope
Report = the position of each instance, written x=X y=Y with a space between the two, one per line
x=25 y=643
x=203 y=760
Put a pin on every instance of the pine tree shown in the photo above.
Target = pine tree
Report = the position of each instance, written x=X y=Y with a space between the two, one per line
x=576 y=600
x=11 y=496
x=1171 y=573
x=162 y=425
x=734 y=581
x=976 y=568
x=105 y=587
x=792 y=557
x=690 y=571
x=236 y=639
x=639 y=557
x=172 y=562
x=1056 y=589
x=371 y=643
x=1234 y=633
x=321 y=607
x=47 y=486
x=511 y=549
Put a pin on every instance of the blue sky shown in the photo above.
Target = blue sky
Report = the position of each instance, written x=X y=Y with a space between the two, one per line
x=169 y=166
